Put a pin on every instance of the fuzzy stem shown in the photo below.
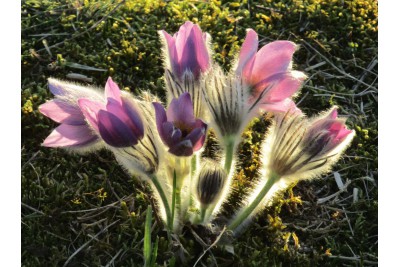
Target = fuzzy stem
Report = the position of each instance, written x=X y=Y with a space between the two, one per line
x=192 y=173
x=245 y=213
x=173 y=199
x=164 y=201
x=203 y=211
x=229 y=150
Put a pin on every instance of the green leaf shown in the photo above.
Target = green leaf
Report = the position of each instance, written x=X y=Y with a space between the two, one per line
x=147 y=237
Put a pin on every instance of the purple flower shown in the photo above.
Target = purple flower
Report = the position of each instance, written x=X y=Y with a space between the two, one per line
x=118 y=122
x=74 y=132
x=269 y=72
x=187 y=50
x=178 y=128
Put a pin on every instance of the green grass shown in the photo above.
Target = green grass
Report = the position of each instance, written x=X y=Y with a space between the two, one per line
x=85 y=210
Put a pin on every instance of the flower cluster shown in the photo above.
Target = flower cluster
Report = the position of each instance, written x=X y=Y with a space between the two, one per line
x=163 y=145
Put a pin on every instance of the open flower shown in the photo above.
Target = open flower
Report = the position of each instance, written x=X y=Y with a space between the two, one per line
x=187 y=50
x=118 y=121
x=269 y=73
x=74 y=132
x=178 y=127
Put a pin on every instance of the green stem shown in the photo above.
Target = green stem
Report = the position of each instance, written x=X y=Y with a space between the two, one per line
x=164 y=200
x=192 y=173
x=245 y=213
x=229 y=147
x=203 y=210
x=173 y=199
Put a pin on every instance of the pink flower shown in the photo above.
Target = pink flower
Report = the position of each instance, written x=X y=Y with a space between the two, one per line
x=118 y=122
x=269 y=72
x=187 y=50
x=178 y=127
x=328 y=132
x=74 y=132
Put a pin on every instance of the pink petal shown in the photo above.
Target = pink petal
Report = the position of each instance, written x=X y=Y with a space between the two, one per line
x=70 y=136
x=248 y=50
x=203 y=59
x=173 y=57
x=273 y=58
x=62 y=112
x=90 y=110
x=282 y=85
x=112 y=91
x=282 y=106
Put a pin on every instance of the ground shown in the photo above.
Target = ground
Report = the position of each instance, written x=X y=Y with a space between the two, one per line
x=86 y=211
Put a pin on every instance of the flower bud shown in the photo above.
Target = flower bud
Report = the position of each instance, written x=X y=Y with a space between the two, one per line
x=211 y=181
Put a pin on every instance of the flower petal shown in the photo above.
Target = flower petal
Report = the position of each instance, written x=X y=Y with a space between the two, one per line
x=70 y=136
x=62 y=112
x=273 y=58
x=281 y=106
x=182 y=149
x=90 y=110
x=161 y=117
x=112 y=91
x=197 y=138
x=180 y=111
x=248 y=50
x=135 y=121
x=171 y=134
x=282 y=85
x=115 y=132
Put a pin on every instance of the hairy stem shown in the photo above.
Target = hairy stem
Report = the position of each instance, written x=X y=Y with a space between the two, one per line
x=164 y=200
x=246 y=212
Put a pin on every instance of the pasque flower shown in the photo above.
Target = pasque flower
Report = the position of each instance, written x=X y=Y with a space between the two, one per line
x=74 y=131
x=187 y=50
x=187 y=56
x=297 y=148
x=118 y=121
x=300 y=148
x=178 y=128
x=269 y=72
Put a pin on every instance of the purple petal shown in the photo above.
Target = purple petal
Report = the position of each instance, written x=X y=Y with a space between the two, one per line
x=90 y=110
x=170 y=134
x=62 y=112
x=191 y=49
x=180 y=111
x=173 y=57
x=182 y=149
x=161 y=117
x=56 y=87
x=114 y=132
x=197 y=138
x=135 y=120
x=112 y=91
x=248 y=50
x=70 y=136
x=273 y=58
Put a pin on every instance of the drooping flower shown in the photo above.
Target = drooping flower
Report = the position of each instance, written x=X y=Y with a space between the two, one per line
x=118 y=121
x=74 y=132
x=269 y=73
x=178 y=128
x=186 y=50
x=296 y=149
x=300 y=148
